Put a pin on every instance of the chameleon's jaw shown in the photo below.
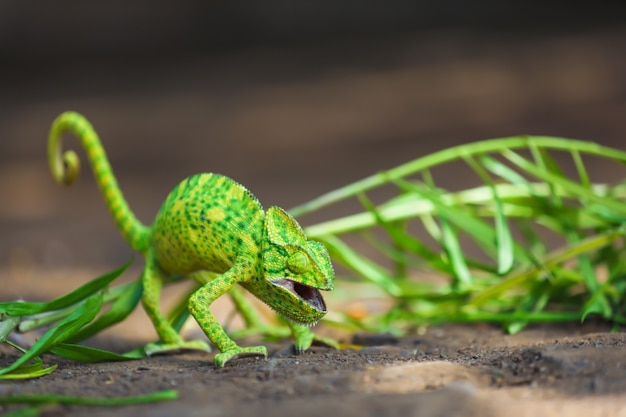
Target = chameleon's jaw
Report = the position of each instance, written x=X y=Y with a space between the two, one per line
x=309 y=295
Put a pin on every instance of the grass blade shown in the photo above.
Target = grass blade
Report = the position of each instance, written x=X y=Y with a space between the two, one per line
x=7 y=325
x=504 y=239
x=19 y=308
x=92 y=355
x=27 y=371
x=165 y=395
x=451 y=244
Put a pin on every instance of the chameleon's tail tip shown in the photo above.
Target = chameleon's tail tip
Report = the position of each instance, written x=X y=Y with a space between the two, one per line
x=71 y=168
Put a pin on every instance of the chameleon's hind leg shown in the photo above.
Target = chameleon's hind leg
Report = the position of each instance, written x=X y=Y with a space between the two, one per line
x=152 y=280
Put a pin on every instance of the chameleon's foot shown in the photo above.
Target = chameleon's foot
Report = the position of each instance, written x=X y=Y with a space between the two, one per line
x=304 y=338
x=239 y=352
x=159 y=348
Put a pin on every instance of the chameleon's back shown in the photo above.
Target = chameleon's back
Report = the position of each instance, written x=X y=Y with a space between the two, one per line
x=205 y=222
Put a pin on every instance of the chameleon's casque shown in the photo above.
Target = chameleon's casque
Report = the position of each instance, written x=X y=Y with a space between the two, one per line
x=214 y=230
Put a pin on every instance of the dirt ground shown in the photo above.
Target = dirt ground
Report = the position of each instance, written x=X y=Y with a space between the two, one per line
x=293 y=103
x=447 y=371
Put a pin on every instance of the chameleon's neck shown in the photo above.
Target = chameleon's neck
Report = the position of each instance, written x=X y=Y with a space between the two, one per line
x=65 y=168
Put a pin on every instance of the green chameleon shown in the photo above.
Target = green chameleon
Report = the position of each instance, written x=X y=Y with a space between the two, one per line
x=213 y=230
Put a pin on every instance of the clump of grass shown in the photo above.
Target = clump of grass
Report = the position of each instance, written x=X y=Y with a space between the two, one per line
x=70 y=318
x=515 y=277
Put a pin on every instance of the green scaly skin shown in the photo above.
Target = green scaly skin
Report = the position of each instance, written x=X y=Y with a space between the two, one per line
x=210 y=223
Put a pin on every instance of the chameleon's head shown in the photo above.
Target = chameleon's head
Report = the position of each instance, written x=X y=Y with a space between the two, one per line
x=295 y=269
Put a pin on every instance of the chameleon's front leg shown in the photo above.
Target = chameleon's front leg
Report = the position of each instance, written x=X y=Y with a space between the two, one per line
x=200 y=301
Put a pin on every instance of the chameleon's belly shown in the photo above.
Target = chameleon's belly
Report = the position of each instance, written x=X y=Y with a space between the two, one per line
x=204 y=224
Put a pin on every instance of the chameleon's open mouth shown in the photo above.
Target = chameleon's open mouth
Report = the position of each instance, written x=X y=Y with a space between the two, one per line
x=309 y=295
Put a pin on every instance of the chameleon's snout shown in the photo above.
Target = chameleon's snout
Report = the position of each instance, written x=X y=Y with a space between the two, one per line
x=309 y=295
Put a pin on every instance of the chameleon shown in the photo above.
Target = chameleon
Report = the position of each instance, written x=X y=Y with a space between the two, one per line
x=211 y=229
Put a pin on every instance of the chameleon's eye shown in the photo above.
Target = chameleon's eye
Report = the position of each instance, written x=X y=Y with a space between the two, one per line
x=298 y=263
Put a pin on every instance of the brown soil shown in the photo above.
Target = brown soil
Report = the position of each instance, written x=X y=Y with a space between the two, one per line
x=448 y=371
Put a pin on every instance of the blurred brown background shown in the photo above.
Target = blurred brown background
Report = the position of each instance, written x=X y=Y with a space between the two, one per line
x=291 y=99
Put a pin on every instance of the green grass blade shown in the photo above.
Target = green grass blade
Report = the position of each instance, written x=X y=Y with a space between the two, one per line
x=451 y=244
x=581 y=169
x=27 y=370
x=18 y=308
x=546 y=163
x=92 y=355
x=504 y=239
x=29 y=323
x=165 y=395
x=7 y=325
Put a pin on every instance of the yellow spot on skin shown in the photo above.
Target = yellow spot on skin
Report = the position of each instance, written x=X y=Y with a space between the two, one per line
x=215 y=214
x=236 y=193
x=178 y=205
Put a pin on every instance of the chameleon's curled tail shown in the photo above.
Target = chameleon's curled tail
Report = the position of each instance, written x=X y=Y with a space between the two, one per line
x=65 y=168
